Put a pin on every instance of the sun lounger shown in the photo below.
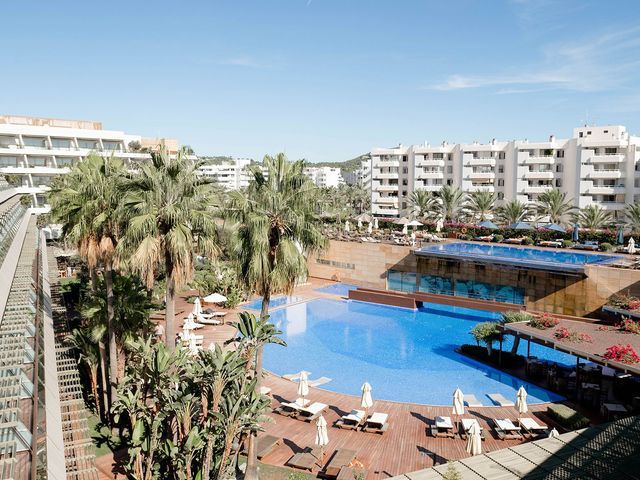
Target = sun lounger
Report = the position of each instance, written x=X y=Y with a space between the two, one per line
x=516 y=241
x=266 y=444
x=533 y=427
x=210 y=321
x=341 y=458
x=505 y=429
x=318 y=381
x=442 y=427
x=588 y=245
x=351 y=421
x=500 y=400
x=465 y=425
x=471 y=400
x=304 y=460
x=376 y=423
x=311 y=412
x=551 y=243
x=292 y=408
x=486 y=238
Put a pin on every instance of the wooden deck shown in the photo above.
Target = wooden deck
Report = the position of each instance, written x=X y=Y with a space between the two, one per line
x=405 y=447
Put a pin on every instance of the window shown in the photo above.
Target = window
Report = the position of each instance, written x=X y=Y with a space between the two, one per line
x=65 y=161
x=449 y=182
x=501 y=182
x=500 y=196
x=581 y=135
x=8 y=161
x=404 y=158
x=401 y=281
x=36 y=142
x=449 y=169
x=560 y=154
x=588 y=133
x=88 y=144
x=610 y=151
x=558 y=182
x=405 y=170
x=110 y=145
x=501 y=169
x=436 y=284
x=501 y=155
x=404 y=182
x=61 y=143
x=37 y=161
x=559 y=168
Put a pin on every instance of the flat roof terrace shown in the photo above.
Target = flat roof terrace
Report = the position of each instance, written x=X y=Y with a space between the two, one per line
x=524 y=257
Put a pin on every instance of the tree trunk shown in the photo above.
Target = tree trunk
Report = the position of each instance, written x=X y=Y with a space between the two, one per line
x=113 y=348
x=516 y=344
x=93 y=372
x=251 y=472
x=104 y=413
x=489 y=349
x=169 y=308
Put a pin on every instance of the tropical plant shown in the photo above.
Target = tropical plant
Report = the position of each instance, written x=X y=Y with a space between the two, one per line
x=87 y=203
x=554 y=205
x=423 y=203
x=480 y=204
x=513 y=316
x=170 y=218
x=513 y=212
x=593 y=217
x=89 y=356
x=451 y=201
x=487 y=333
x=633 y=217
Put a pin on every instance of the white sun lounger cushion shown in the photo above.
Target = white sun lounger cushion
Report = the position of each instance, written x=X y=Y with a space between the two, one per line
x=531 y=424
x=378 y=418
x=499 y=399
x=314 y=408
x=297 y=405
x=355 y=416
x=443 y=422
x=467 y=422
x=471 y=400
x=506 y=425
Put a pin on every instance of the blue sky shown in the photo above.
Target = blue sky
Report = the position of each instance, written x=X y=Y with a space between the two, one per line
x=325 y=79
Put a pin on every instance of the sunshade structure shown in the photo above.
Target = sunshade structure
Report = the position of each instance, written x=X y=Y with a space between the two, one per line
x=363 y=217
x=474 y=440
x=214 y=298
x=303 y=385
x=402 y=221
x=197 y=307
x=521 y=401
x=631 y=247
x=375 y=223
x=322 y=436
x=347 y=226
x=606 y=451
x=405 y=229
x=370 y=228
x=554 y=227
x=359 y=223
x=520 y=226
x=575 y=236
x=366 y=401
x=488 y=224
x=414 y=223
x=458 y=403
x=620 y=236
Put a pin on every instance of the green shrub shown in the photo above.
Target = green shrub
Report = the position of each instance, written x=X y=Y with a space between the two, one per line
x=464 y=237
x=516 y=316
x=567 y=243
x=605 y=247
x=567 y=417
x=451 y=473
x=498 y=238
x=527 y=241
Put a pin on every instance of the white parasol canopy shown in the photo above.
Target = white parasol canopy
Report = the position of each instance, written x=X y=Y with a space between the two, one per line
x=405 y=230
x=553 y=433
x=366 y=401
x=458 y=402
x=197 y=307
x=370 y=228
x=521 y=401
x=414 y=223
x=375 y=223
x=215 y=298
x=303 y=386
x=474 y=441
x=346 y=226
x=359 y=223
x=322 y=436
x=631 y=247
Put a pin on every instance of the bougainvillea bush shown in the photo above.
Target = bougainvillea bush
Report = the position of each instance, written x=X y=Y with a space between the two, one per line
x=563 y=333
x=630 y=326
x=543 y=321
x=622 y=354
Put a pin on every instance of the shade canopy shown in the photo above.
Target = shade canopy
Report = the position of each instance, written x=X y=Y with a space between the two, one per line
x=347 y=226
x=521 y=400
x=365 y=400
x=363 y=217
x=370 y=228
x=553 y=433
x=405 y=229
x=620 y=237
x=488 y=224
x=303 y=385
x=375 y=223
x=554 y=227
x=631 y=247
x=458 y=402
x=402 y=221
x=215 y=298
x=359 y=223
x=474 y=440
x=322 y=436
x=414 y=223
x=197 y=307
x=520 y=226
x=575 y=236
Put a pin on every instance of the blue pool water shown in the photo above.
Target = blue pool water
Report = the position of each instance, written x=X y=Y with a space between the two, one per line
x=406 y=355
x=341 y=289
x=275 y=302
x=522 y=254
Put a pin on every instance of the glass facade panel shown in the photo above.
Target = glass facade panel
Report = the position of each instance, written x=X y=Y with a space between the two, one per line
x=61 y=143
x=34 y=142
x=89 y=144
x=65 y=161
x=401 y=281
x=109 y=145
x=37 y=161
x=8 y=161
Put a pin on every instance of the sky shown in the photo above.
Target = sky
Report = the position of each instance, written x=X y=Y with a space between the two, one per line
x=325 y=80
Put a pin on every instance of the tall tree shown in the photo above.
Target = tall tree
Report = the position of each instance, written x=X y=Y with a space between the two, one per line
x=87 y=202
x=277 y=227
x=169 y=208
x=513 y=212
x=593 y=217
x=423 y=203
x=481 y=204
x=451 y=201
x=633 y=217
x=554 y=205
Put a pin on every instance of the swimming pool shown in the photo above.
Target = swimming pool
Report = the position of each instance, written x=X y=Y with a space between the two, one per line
x=275 y=302
x=406 y=355
x=532 y=257
x=341 y=289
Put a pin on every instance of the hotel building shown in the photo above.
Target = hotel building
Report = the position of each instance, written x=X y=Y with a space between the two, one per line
x=231 y=175
x=325 y=177
x=598 y=165
x=37 y=150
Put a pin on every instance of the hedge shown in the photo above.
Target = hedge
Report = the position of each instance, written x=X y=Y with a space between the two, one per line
x=509 y=361
x=567 y=417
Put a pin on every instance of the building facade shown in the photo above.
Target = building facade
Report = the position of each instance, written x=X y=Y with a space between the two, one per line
x=36 y=150
x=325 y=177
x=598 y=165
x=231 y=175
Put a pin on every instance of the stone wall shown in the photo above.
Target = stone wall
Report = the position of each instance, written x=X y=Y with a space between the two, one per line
x=366 y=264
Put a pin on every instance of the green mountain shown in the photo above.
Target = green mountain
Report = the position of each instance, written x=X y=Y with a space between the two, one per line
x=346 y=166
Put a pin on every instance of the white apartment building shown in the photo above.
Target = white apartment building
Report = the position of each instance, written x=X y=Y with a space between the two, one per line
x=325 y=177
x=231 y=175
x=597 y=165
x=39 y=149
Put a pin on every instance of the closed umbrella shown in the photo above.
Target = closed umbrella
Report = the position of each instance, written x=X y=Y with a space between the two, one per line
x=189 y=324
x=197 y=307
x=439 y=225
x=375 y=223
x=366 y=401
x=631 y=248
x=405 y=230
x=553 y=433
x=458 y=403
x=322 y=436
x=575 y=236
x=370 y=228
x=620 y=237
x=346 y=226
x=303 y=386
x=474 y=440
x=521 y=401
x=359 y=223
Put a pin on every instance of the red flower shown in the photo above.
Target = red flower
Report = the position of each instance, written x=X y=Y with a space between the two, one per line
x=622 y=354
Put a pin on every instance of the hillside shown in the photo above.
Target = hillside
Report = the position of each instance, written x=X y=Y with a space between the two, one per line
x=346 y=165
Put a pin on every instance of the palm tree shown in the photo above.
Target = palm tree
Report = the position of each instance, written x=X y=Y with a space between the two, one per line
x=451 y=200
x=277 y=226
x=422 y=203
x=554 y=205
x=89 y=356
x=481 y=204
x=593 y=217
x=633 y=216
x=170 y=218
x=513 y=212
x=87 y=202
